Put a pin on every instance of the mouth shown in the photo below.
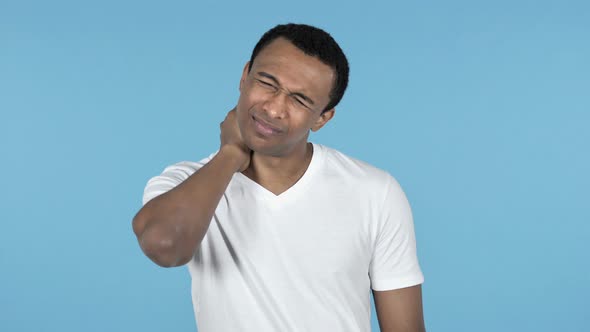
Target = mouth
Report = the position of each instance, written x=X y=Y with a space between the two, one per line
x=264 y=128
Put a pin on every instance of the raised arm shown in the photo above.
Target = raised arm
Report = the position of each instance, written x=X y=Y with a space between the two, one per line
x=170 y=227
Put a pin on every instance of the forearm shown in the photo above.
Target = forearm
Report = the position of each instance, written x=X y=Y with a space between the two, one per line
x=171 y=226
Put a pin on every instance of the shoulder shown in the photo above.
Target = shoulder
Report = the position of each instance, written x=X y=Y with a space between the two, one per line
x=172 y=176
x=369 y=187
x=355 y=171
x=184 y=169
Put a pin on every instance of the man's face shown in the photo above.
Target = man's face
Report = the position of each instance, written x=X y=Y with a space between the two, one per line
x=282 y=98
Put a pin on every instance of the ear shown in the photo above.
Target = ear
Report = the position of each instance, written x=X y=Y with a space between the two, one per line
x=244 y=75
x=323 y=119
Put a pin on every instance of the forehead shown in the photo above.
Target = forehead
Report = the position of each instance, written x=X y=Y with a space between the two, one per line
x=295 y=69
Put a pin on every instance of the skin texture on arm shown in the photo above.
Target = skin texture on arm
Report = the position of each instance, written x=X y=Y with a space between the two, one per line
x=400 y=310
x=170 y=227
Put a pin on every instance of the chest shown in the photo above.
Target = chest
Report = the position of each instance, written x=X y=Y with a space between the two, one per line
x=304 y=239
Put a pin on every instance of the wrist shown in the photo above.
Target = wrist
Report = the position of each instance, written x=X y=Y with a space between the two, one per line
x=234 y=154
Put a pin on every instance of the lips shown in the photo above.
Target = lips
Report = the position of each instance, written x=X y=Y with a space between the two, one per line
x=264 y=128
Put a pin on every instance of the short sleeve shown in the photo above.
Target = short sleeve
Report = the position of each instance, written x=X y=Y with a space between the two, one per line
x=394 y=263
x=171 y=177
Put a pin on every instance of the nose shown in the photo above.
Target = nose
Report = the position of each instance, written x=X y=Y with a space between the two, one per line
x=275 y=105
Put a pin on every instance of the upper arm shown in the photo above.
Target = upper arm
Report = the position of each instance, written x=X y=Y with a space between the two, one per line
x=158 y=185
x=171 y=177
x=400 y=310
x=395 y=273
x=394 y=262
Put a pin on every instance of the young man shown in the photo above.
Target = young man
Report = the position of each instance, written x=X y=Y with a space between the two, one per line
x=281 y=234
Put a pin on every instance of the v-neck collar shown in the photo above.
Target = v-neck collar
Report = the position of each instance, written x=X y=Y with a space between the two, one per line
x=296 y=189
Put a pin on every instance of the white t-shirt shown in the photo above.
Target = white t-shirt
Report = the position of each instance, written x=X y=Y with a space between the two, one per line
x=304 y=260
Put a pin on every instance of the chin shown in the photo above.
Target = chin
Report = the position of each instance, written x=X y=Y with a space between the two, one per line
x=266 y=148
x=271 y=149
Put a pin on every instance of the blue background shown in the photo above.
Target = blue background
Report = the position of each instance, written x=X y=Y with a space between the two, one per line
x=480 y=110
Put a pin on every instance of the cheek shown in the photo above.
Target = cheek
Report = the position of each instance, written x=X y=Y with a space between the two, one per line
x=250 y=96
x=241 y=101
x=241 y=113
x=243 y=107
x=301 y=123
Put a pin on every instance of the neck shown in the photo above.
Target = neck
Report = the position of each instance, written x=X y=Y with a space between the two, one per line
x=278 y=174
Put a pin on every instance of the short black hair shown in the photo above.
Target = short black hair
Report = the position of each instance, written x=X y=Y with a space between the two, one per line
x=314 y=42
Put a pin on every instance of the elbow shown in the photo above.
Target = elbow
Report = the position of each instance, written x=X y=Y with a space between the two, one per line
x=138 y=224
x=160 y=247
x=163 y=252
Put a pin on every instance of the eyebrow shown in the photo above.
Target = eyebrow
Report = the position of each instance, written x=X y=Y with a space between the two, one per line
x=276 y=81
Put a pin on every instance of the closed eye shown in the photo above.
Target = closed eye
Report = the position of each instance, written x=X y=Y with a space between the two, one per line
x=301 y=102
x=267 y=84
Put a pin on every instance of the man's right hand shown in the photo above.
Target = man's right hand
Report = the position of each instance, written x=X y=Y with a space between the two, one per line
x=232 y=141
